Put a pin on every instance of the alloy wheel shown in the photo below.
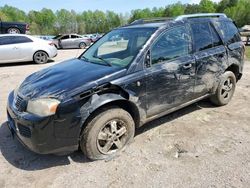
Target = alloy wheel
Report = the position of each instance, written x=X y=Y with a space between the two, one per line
x=13 y=31
x=227 y=89
x=112 y=137
x=40 y=57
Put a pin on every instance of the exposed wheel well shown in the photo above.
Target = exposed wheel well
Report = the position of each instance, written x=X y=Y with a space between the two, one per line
x=235 y=69
x=124 y=104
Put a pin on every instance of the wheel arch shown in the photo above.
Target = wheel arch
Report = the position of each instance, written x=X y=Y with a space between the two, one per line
x=98 y=103
x=40 y=51
x=236 y=70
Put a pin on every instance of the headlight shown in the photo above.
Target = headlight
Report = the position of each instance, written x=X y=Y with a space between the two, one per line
x=43 y=107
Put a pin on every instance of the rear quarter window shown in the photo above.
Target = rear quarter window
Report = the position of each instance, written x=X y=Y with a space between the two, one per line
x=228 y=31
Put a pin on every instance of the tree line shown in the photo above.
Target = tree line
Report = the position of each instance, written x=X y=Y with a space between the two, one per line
x=48 y=22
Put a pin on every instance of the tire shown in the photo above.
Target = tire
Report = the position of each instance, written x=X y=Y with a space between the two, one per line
x=225 y=90
x=13 y=30
x=107 y=134
x=82 y=45
x=40 y=57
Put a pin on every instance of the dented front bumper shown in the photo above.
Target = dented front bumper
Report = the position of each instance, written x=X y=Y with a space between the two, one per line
x=37 y=133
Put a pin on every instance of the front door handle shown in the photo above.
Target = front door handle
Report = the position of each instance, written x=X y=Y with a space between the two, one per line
x=187 y=66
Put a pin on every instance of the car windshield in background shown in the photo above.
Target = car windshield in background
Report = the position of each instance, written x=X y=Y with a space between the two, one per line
x=57 y=37
x=119 y=47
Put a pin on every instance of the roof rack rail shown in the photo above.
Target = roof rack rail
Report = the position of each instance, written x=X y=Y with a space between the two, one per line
x=217 y=15
x=150 y=20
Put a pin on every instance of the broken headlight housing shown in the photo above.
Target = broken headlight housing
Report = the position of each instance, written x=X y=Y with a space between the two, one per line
x=43 y=107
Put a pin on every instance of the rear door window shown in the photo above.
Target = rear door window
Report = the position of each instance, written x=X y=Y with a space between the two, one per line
x=205 y=36
x=75 y=36
x=215 y=37
x=228 y=31
x=21 y=39
x=202 y=36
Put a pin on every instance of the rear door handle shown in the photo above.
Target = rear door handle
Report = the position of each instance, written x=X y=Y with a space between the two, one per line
x=221 y=55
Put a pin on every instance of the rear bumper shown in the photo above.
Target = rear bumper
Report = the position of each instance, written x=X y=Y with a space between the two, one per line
x=53 y=52
x=37 y=133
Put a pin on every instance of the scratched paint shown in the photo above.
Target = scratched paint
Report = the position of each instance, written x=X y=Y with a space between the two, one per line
x=83 y=87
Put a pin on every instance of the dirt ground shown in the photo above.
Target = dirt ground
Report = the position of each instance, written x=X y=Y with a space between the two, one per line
x=199 y=146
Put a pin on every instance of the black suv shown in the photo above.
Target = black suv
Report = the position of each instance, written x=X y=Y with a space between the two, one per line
x=154 y=67
x=13 y=27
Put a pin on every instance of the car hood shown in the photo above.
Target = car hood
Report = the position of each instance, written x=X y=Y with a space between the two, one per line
x=67 y=79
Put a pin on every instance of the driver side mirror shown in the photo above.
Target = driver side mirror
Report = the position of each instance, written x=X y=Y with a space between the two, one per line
x=147 y=60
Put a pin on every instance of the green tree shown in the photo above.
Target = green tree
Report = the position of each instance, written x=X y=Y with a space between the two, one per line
x=65 y=21
x=240 y=13
x=140 y=13
x=42 y=22
x=192 y=9
x=175 y=10
x=223 y=4
x=2 y=16
x=13 y=14
x=207 y=6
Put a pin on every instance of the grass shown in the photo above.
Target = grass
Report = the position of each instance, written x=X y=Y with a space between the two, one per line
x=248 y=53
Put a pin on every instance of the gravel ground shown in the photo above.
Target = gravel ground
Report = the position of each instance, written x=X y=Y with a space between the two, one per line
x=198 y=146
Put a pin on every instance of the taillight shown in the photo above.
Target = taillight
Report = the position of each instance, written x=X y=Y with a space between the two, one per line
x=27 y=27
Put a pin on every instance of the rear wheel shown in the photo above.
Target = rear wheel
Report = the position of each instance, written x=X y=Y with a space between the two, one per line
x=13 y=31
x=40 y=57
x=107 y=134
x=225 y=89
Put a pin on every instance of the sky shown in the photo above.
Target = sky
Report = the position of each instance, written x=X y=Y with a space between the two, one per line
x=119 y=6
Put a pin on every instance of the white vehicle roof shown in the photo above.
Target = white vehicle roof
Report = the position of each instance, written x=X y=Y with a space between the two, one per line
x=35 y=39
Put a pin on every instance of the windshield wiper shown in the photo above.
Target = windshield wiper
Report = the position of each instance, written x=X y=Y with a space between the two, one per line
x=103 y=60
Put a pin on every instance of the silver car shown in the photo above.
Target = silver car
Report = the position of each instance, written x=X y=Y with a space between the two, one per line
x=71 y=41
x=21 y=48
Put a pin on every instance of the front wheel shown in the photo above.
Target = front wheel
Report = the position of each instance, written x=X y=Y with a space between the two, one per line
x=40 y=57
x=225 y=90
x=107 y=134
x=82 y=45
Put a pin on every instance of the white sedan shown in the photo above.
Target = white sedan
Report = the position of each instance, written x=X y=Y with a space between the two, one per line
x=22 y=48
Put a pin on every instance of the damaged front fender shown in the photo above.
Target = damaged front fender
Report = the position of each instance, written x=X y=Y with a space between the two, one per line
x=95 y=102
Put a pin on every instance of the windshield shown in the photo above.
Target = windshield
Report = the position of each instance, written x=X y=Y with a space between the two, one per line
x=119 y=47
x=58 y=36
